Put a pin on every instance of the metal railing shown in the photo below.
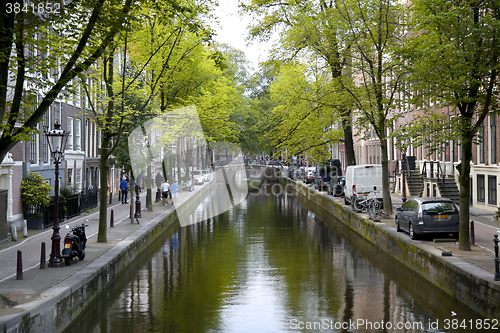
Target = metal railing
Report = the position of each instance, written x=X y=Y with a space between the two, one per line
x=89 y=200
x=435 y=170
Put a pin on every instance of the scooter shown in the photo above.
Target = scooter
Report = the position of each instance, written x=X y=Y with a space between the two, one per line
x=74 y=243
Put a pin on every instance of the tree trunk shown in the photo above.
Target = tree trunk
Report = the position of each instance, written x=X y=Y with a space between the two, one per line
x=349 y=142
x=385 y=172
x=103 y=194
x=464 y=238
x=132 y=199
x=149 y=194
x=179 y=161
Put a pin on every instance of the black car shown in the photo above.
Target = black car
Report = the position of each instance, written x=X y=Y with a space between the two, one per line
x=336 y=185
x=421 y=216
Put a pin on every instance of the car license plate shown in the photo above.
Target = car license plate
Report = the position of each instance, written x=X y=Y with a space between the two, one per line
x=363 y=194
x=67 y=245
x=442 y=216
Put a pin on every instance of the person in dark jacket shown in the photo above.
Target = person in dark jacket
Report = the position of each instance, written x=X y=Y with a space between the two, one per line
x=124 y=189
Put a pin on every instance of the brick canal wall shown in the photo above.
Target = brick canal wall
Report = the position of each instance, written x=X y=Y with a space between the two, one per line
x=64 y=302
x=466 y=284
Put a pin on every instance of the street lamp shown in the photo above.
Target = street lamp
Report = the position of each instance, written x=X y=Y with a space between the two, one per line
x=57 y=139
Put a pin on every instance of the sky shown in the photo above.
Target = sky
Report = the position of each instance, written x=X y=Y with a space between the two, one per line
x=232 y=30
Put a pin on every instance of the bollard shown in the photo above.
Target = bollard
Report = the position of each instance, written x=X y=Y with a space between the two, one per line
x=19 y=275
x=13 y=232
x=43 y=257
x=137 y=203
x=110 y=197
x=111 y=220
x=25 y=228
x=472 y=234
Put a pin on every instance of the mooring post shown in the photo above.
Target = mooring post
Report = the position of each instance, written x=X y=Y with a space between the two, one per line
x=111 y=220
x=497 y=271
x=19 y=275
x=43 y=257
x=472 y=234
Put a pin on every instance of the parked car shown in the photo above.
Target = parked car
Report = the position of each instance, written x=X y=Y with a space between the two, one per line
x=198 y=177
x=421 y=216
x=310 y=176
x=206 y=175
x=325 y=172
x=336 y=185
x=360 y=180
x=187 y=184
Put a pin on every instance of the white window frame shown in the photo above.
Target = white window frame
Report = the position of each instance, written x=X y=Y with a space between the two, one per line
x=69 y=145
x=78 y=130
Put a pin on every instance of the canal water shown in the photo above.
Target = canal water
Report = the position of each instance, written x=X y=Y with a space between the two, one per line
x=271 y=264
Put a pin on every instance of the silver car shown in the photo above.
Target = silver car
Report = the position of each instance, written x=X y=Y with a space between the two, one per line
x=421 y=216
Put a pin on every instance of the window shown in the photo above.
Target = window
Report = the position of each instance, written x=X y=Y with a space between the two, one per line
x=492 y=190
x=34 y=149
x=76 y=96
x=493 y=138
x=70 y=133
x=57 y=112
x=34 y=143
x=45 y=144
x=77 y=134
x=70 y=176
x=481 y=145
x=78 y=177
x=480 y=188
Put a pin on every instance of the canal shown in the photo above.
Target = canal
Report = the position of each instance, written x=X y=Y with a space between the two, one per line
x=271 y=265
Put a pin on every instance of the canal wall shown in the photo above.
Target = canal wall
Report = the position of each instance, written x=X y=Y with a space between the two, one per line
x=461 y=281
x=63 y=303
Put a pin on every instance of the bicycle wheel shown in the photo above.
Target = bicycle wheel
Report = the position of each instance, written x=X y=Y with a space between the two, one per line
x=358 y=204
x=375 y=206
x=374 y=210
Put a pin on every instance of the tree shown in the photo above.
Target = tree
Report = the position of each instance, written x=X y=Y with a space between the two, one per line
x=302 y=120
x=53 y=42
x=153 y=51
x=454 y=55
x=313 y=26
x=259 y=99
x=372 y=30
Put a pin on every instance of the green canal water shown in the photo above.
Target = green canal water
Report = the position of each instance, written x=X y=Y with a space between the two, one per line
x=271 y=265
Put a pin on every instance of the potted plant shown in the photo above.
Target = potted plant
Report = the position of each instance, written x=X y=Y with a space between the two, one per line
x=35 y=193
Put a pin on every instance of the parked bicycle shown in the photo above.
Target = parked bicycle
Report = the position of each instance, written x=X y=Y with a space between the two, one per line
x=369 y=204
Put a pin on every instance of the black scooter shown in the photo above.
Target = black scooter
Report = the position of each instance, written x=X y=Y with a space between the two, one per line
x=74 y=244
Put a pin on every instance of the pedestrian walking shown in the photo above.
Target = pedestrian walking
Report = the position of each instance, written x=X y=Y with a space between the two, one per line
x=158 y=180
x=165 y=189
x=174 y=190
x=124 y=189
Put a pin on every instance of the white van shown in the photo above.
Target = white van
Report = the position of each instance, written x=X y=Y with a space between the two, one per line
x=361 y=180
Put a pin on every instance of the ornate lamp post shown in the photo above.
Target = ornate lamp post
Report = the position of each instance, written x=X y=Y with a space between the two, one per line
x=57 y=139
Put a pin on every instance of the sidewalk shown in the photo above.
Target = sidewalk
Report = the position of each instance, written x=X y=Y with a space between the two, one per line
x=482 y=254
x=14 y=293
